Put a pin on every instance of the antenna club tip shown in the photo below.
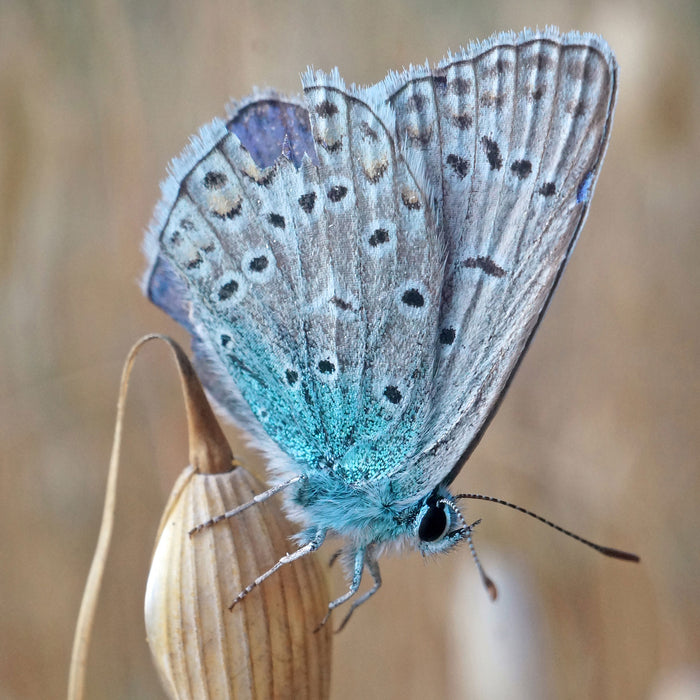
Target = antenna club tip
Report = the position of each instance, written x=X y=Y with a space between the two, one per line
x=619 y=554
x=491 y=588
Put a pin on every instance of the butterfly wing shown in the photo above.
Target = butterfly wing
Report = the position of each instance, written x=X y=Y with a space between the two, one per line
x=291 y=276
x=510 y=135
x=366 y=305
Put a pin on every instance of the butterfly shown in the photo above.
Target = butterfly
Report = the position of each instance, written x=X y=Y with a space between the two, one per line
x=362 y=270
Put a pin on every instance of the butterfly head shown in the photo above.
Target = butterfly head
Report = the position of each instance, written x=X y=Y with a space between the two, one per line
x=439 y=524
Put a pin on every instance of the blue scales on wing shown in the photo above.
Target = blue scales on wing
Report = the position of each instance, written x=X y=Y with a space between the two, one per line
x=310 y=270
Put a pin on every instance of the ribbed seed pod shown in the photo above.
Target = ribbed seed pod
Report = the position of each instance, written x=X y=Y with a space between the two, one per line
x=266 y=646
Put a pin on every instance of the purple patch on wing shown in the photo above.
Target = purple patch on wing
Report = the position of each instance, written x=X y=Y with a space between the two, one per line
x=167 y=290
x=263 y=125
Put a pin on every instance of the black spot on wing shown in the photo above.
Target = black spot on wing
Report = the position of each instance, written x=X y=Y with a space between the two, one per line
x=341 y=304
x=503 y=65
x=337 y=192
x=493 y=153
x=380 y=235
x=228 y=290
x=326 y=367
x=412 y=297
x=447 y=336
x=485 y=264
x=277 y=220
x=462 y=121
x=522 y=168
x=258 y=264
x=214 y=180
x=458 y=164
x=548 y=189
x=326 y=109
x=415 y=103
x=392 y=394
x=491 y=99
x=460 y=86
x=307 y=201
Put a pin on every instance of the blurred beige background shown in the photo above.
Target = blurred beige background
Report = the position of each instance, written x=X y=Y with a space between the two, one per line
x=600 y=430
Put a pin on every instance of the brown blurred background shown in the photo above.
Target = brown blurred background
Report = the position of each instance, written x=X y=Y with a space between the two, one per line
x=599 y=432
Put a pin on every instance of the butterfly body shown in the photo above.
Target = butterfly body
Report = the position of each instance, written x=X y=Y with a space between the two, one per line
x=362 y=270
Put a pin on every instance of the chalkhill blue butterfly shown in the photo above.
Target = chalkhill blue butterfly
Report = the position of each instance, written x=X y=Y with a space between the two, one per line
x=362 y=270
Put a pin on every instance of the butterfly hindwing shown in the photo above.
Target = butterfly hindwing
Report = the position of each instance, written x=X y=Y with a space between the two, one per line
x=312 y=287
x=266 y=124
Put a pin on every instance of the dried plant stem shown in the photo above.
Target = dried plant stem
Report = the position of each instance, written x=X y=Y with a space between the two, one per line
x=208 y=446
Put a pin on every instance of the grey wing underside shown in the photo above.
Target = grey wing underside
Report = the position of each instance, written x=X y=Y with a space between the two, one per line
x=367 y=305
x=510 y=134
x=292 y=275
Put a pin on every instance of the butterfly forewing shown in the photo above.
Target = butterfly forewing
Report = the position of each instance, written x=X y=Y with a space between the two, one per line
x=510 y=135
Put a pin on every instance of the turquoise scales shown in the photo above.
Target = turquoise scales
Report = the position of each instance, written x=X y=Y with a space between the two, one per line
x=362 y=270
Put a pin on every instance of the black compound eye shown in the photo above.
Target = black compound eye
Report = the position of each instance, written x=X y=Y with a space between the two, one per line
x=433 y=525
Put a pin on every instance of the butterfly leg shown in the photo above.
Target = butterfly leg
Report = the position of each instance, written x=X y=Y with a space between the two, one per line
x=258 y=498
x=359 y=565
x=308 y=548
x=373 y=566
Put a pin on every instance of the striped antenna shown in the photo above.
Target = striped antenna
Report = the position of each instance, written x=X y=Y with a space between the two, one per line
x=608 y=551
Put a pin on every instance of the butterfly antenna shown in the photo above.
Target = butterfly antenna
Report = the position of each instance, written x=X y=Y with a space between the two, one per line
x=608 y=551
x=489 y=585
x=258 y=498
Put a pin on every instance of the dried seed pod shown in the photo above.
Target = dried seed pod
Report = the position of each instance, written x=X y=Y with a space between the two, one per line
x=266 y=646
